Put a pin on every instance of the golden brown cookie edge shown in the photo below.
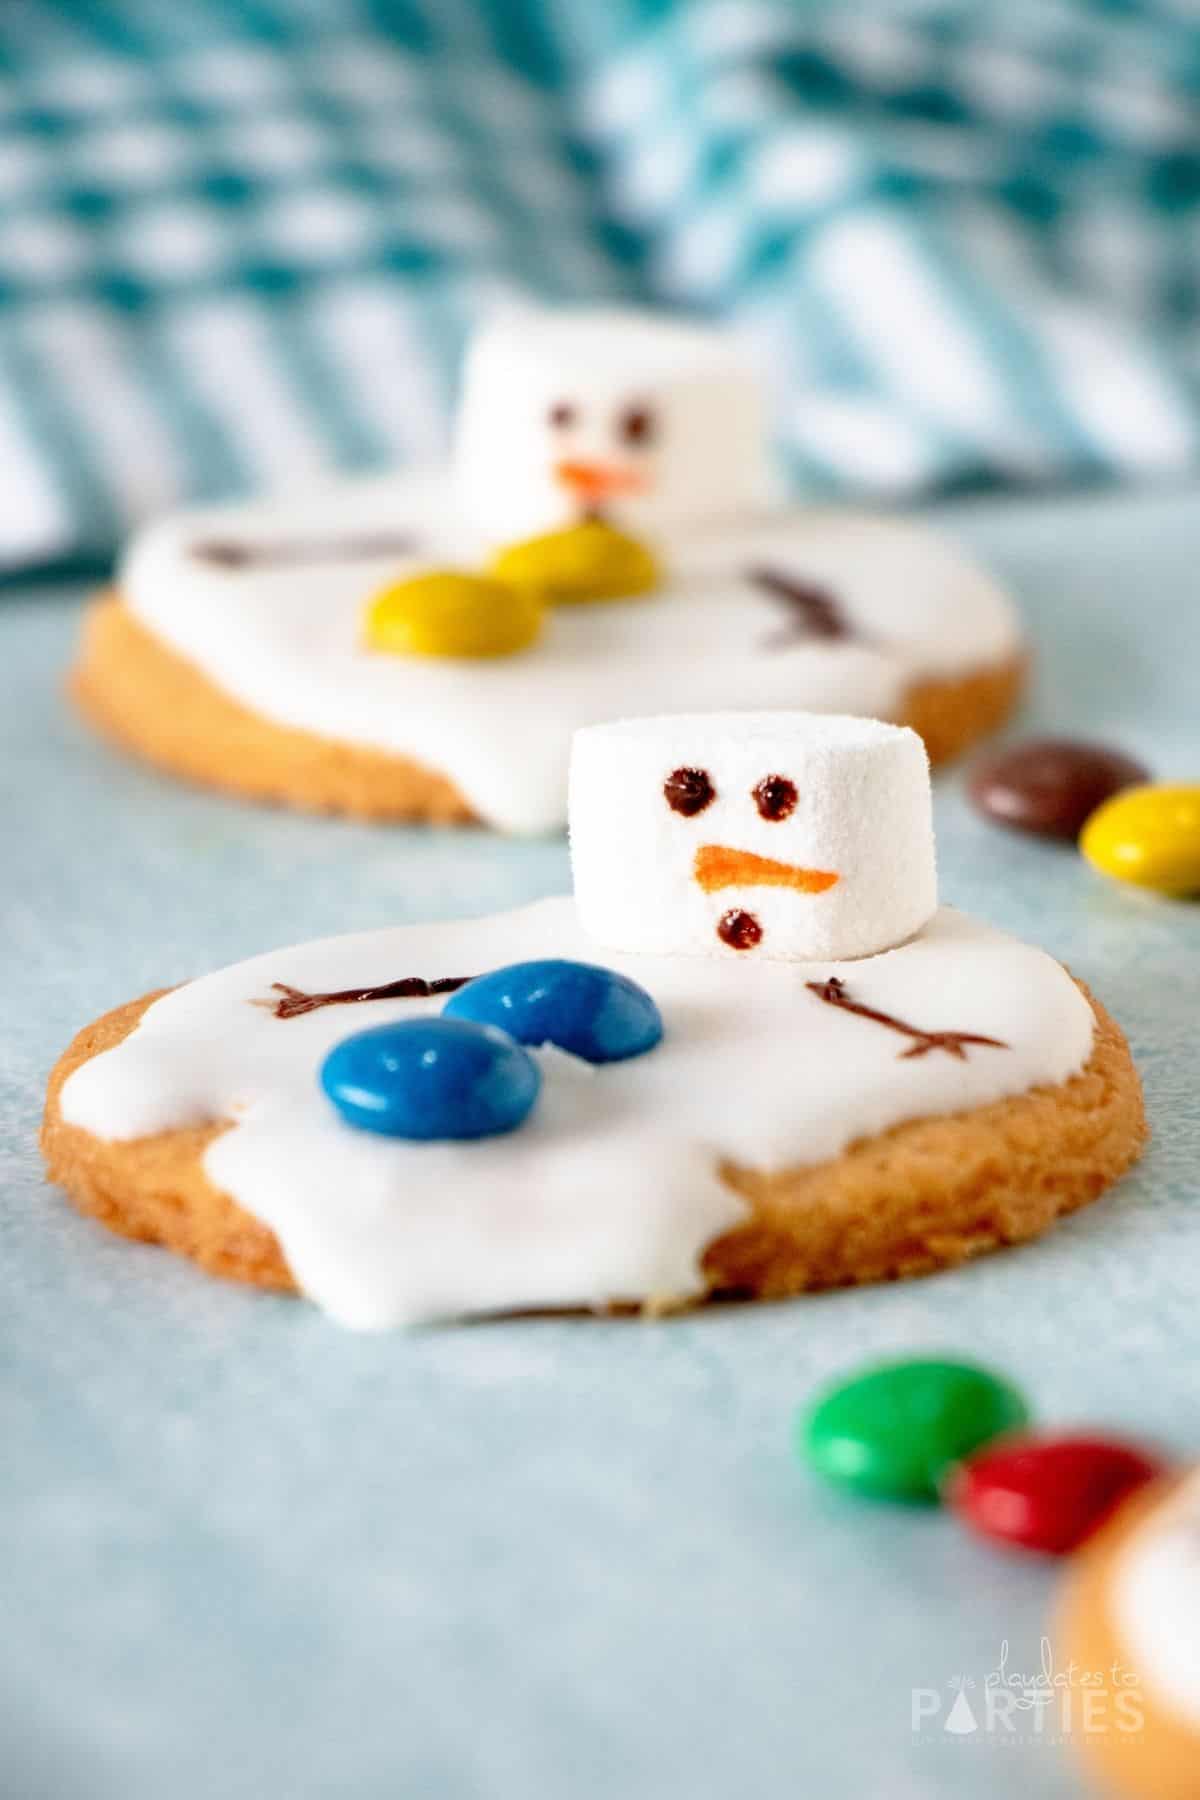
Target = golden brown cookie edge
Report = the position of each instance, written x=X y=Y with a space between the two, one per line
x=145 y=697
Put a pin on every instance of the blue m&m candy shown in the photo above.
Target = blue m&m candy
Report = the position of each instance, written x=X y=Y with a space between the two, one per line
x=431 y=1078
x=591 y=1012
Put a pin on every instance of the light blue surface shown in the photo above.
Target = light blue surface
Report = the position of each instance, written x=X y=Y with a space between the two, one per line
x=251 y=1555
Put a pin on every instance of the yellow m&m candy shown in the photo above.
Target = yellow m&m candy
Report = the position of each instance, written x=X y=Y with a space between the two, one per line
x=1150 y=836
x=585 y=562
x=449 y=613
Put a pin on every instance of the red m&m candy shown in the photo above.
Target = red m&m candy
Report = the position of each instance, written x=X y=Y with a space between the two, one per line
x=1047 y=1493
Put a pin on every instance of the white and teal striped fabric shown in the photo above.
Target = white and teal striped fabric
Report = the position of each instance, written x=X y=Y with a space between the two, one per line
x=241 y=240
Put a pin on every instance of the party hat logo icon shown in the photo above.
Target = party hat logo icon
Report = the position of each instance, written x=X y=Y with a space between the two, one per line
x=960 y=1720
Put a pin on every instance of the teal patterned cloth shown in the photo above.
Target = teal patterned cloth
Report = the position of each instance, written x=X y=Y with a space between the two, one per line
x=241 y=241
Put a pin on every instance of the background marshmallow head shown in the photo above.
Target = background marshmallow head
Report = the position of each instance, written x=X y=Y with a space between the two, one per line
x=653 y=420
x=752 y=834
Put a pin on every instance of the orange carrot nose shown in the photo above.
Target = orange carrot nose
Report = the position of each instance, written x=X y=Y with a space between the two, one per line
x=716 y=867
x=599 y=481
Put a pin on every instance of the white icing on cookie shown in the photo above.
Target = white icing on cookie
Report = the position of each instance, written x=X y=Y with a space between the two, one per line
x=610 y=1190
x=285 y=638
x=1155 y=1600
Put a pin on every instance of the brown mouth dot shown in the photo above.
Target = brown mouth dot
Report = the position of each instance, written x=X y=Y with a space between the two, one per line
x=740 y=930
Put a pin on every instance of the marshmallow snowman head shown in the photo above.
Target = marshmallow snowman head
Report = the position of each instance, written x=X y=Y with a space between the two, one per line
x=651 y=421
x=785 y=835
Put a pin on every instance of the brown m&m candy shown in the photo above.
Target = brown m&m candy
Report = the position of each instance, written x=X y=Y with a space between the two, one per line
x=1050 y=786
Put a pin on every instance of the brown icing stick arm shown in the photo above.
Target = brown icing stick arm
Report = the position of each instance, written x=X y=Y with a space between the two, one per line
x=228 y=553
x=814 y=611
x=294 y=1001
x=954 y=1043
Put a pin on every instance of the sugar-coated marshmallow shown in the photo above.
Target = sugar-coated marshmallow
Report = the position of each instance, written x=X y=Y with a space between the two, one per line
x=778 y=834
x=652 y=420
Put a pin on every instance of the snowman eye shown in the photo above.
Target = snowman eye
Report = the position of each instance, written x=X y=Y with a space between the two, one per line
x=689 y=791
x=562 y=415
x=775 y=797
x=638 y=426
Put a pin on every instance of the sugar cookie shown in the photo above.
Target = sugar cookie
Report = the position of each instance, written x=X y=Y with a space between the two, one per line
x=733 y=1121
x=261 y=646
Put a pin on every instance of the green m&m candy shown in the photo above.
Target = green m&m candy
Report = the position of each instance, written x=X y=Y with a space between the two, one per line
x=897 y=1429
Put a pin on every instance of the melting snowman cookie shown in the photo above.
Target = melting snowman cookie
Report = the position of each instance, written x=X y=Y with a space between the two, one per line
x=602 y=542
x=624 y=1098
